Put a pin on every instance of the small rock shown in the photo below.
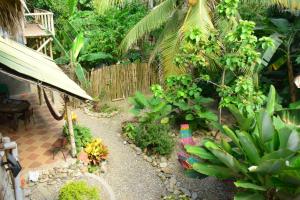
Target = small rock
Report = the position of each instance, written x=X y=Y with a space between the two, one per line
x=185 y=191
x=154 y=164
x=125 y=142
x=149 y=159
x=138 y=150
x=166 y=170
x=194 y=195
x=163 y=159
x=163 y=165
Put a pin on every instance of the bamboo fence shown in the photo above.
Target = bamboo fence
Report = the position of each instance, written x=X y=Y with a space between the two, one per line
x=123 y=80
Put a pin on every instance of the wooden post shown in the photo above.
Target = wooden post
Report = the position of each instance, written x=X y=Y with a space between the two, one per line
x=70 y=127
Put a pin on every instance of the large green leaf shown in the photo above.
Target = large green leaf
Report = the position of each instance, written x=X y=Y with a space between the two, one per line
x=249 y=147
x=280 y=154
x=77 y=45
x=268 y=54
x=95 y=57
x=270 y=166
x=228 y=160
x=200 y=152
x=271 y=101
x=284 y=134
x=293 y=142
x=214 y=170
x=81 y=75
x=249 y=185
x=228 y=132
x=244 y=123
x=265 y=126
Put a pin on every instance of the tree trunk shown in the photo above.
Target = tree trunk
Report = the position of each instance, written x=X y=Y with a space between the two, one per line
x=291 y=78
x=70 y=127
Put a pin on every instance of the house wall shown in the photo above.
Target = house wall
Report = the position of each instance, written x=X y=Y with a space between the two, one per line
x=15 y=86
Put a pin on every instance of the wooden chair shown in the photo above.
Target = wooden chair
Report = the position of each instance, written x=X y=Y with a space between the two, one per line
x=59 y=146
x=27 y=117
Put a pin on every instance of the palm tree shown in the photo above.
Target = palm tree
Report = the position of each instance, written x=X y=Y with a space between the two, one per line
x=176 y=17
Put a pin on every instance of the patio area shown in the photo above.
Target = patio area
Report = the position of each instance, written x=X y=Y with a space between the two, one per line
x=35 y=145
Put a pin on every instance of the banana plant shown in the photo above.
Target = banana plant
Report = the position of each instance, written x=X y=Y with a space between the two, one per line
x=263 y=160
x=71 y=58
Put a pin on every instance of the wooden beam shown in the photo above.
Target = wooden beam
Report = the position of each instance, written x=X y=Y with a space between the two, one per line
x=70 y=127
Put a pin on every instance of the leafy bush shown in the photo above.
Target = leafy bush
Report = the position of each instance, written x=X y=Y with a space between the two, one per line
x=155 y=137
x=262 y=158
x=82 y=135
x=243 y=95
x=104 y=32
x=129 y=130
x=96 y=151
x=78 y=190
x=184 y=96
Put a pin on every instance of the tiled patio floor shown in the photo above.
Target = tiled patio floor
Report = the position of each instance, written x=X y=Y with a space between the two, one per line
x=36 y=143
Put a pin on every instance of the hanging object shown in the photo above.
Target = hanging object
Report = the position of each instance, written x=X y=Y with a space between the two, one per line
x=193 y=2
x=56 y=115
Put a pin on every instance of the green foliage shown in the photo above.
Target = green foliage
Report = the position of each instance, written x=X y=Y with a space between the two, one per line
x=78 y=190
x=184 y=96
x=82 y=135
x=155 y=137
x=243 y=95
x=262 y=159
x=129 y=130
x=103 y=32
x=228 y=8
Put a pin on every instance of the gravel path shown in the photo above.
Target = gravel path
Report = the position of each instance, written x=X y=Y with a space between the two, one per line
x=130 y=177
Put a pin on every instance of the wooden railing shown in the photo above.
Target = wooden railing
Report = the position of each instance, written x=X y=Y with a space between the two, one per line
x=43 y=18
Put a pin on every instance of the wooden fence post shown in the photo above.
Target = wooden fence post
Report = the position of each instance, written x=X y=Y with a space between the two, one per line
x=70 y=127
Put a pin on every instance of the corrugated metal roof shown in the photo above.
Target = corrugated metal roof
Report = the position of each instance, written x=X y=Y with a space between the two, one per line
x=33 y=65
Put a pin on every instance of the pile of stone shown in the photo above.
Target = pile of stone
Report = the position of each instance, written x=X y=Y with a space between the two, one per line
x=56 y=177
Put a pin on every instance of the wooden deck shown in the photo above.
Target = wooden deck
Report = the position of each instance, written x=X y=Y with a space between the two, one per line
x=35 y=30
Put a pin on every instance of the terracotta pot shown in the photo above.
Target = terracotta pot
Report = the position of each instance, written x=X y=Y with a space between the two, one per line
x=193 y=2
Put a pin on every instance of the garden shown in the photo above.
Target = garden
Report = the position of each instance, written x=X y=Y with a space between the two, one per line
x=225 y=108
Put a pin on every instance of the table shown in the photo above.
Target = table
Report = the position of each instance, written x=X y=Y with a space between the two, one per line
x=14 y=108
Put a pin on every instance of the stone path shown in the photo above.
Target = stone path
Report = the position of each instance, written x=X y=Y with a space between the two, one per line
x=130 y=177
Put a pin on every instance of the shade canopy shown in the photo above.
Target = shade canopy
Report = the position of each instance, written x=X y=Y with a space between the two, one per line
x=30 y=65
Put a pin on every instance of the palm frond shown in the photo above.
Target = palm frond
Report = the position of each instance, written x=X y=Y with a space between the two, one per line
x=169 y=50
x=155 y=19
x=171 y=26
x=289 y=4
x=199 y=16
x=103 y=5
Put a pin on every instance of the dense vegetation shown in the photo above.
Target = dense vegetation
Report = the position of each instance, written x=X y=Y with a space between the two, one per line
x=216 y=55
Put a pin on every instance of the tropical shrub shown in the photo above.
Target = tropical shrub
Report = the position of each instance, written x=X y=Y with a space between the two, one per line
x=243 y=95
x=104 y=32
x=129 y=130
x=184 y=96
x=78 y=190
x=83 y=135
x=262 y=159
x=96 y=151
x=154 y=137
